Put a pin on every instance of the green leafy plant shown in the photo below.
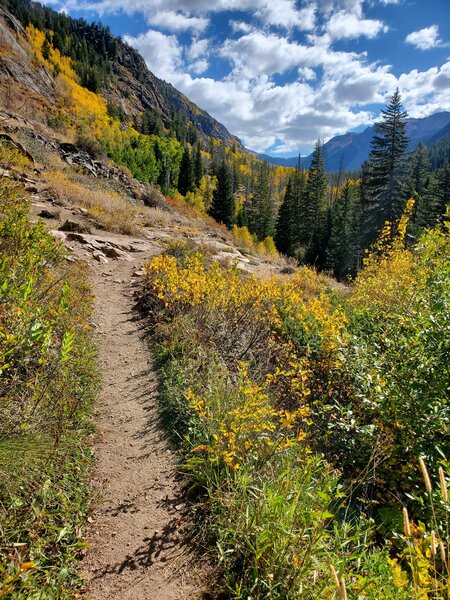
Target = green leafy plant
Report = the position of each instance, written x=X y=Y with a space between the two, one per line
x=47 y=383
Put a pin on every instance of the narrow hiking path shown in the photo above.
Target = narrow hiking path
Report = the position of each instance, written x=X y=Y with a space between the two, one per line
x=136 y=549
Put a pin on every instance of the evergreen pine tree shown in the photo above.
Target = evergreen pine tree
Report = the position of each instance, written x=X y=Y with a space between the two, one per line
x=242 y=216
x=151 y=124
x=223 y=204
x=420 y=170
x=442 y=201
x=180 y=127
x=440 y=152
x=297 y=228
x=186 y=175
x=46 y=50
x=283 y=238
x=236 y=177
x=261 y=214
x=342 y=247
x=192 y=134
x=418 y=184
x=314 y=224
x=386 y=162
x=198 y=166
x=432 y=205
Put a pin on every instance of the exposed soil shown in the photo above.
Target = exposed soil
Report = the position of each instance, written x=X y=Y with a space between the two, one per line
x=137 y=550
x=136 y=535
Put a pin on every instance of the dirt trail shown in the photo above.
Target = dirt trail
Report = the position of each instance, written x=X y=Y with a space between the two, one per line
x=136 y=550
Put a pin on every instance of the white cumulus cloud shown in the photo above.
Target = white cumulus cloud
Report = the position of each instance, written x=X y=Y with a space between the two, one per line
x=426 y=38
x=348 y=25
x=162 y=53
x=177 y=21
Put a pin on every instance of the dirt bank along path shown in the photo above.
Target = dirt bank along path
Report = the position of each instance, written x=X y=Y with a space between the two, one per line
x=136 y=549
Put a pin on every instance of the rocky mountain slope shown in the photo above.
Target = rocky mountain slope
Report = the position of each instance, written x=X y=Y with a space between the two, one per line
x=129 y=84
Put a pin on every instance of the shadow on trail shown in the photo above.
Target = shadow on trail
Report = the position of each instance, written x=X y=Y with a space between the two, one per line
x=148 y=553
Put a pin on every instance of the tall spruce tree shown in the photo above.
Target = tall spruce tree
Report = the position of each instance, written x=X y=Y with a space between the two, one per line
x=186 y=175
x=298 y=208
x=342 y=251
x=419 y=185
x=387 y=162
x=151 y=123
x=261 y=210
x=290 y=223
x=198 y=166
x=315 y=205
x=223 y=203
x=285 y=221
x=442 y=201
x=420 y=171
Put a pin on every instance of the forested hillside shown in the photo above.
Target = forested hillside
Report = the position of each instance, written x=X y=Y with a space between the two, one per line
x=287 y=328
x=104 y=63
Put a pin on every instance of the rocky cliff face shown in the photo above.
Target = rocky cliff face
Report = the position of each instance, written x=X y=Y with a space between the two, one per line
x=134 y=86
x=15 y=64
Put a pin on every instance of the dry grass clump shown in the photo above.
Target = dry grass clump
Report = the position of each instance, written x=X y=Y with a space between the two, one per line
x=155 y=216
x=110 y=210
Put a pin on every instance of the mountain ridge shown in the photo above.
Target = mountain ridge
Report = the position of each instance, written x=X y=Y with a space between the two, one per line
x=429 y=130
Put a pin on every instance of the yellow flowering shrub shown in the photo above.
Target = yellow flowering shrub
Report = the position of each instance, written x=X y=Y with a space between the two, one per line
x=293 y=320
x=390 y=273
x=246 y=365
x=265 y=247
x=252 y=428
x=243 y=235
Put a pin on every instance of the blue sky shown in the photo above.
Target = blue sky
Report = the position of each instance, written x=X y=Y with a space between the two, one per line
x=282 y=73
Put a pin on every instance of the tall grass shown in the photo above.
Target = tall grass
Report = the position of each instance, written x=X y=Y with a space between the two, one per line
x=111 y=211
x=47 y=382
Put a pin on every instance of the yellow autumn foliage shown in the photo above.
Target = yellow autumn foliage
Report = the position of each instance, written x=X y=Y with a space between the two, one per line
x=265 y=247
x=390 y=272
x=301 y=299
x=88 y=108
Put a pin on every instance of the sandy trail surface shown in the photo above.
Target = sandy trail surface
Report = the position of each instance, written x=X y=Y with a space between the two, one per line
x=136 y=548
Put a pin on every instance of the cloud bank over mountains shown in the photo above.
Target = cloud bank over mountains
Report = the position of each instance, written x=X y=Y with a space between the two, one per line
x=280 y=73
